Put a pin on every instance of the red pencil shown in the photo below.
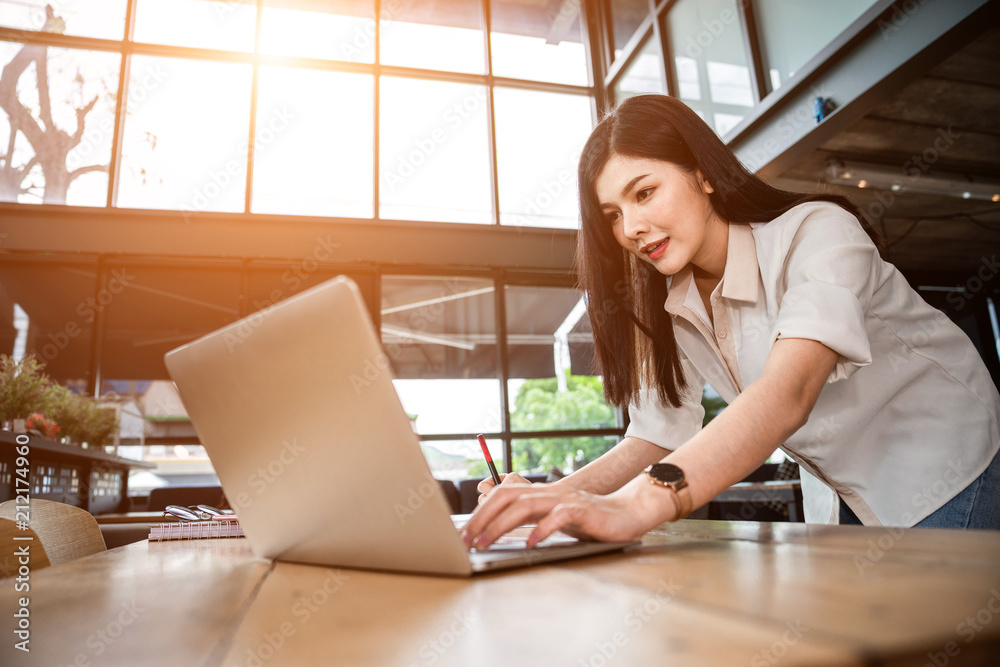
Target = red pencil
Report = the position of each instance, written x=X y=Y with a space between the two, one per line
x=489 y=459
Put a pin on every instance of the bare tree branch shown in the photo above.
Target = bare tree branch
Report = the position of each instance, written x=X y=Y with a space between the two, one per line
x=44 y=101
x=51 y=144
x=17 y=112
x=81 y=115
x=86 y=170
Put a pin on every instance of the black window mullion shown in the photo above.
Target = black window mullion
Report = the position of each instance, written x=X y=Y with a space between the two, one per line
x=376 y=91
x=116 y=139
x=673 y=89
x=751 y=42
x=500 y=301
x=491 y=116
x=254 y=98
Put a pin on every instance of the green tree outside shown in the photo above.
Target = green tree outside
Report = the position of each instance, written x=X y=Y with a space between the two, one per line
x=540 y=406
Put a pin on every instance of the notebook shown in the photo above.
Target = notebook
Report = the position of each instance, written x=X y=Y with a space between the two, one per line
x=296 y=408
x=193 y=530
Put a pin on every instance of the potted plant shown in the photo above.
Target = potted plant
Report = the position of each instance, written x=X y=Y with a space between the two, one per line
x=68 y=411
x=24 y=390
x=100 y=424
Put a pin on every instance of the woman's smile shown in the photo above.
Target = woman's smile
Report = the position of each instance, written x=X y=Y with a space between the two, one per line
x=662 y=214
x=656 y=250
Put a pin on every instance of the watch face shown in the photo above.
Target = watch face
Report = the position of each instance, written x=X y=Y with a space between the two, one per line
x=667 y=473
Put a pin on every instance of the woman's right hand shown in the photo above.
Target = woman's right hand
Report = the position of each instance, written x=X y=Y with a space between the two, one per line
x=506 y=479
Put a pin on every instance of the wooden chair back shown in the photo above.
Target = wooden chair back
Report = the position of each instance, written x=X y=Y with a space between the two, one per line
x=12 y=554
x=65 y=532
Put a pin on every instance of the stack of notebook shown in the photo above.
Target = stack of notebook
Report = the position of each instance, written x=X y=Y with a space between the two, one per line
x=194 y=530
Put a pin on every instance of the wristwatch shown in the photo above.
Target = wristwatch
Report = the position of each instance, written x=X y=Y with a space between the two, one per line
x=672 y=477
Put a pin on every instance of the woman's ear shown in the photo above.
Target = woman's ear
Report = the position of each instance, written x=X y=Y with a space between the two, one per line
x=706 y=187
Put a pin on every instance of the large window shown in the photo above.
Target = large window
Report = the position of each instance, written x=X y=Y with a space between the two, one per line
x=709 y=61
x=723 y=57
x=291 y=108
x=444 y=341
x=793 y=31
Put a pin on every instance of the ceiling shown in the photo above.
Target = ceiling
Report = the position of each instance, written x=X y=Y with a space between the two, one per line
x=947 y=121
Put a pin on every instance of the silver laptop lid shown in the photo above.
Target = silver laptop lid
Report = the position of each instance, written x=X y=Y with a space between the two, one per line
x=296 y=409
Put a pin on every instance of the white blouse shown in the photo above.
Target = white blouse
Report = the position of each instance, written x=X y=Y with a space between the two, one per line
x=909 y=416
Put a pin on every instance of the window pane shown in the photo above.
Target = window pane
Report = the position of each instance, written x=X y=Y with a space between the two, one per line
x=551 y=353
x=151 y=409
x=90 y=18
x=644 y=74
x=461 y=459
x=54 y=160
x=433 y=35
x=303 y=118
x=185 y=142
x=626 y=16
x=433 y=151
x=268 y=286
x=152 y=310
x=793 y=31
x=709 y=60
x=336 y=30
x=529 y=41
x=440 y=336
x=538 y=455
x=539 y=139
x=54 y=315
x=205 y=24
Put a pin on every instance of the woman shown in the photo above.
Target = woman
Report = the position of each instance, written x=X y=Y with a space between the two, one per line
x=694 y=270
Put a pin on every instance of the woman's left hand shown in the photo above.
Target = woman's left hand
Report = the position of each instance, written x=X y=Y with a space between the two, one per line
x=616 y=517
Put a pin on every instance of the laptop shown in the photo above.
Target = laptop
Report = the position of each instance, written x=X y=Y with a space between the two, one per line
x=296 y=408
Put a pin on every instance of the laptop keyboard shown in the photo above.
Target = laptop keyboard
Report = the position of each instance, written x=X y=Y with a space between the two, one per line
x=518 y=542
x=517 y=539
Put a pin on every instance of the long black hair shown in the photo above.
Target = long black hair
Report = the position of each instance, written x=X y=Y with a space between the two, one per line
x=633 y=334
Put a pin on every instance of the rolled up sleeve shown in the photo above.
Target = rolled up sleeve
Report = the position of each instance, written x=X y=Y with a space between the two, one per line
x=664 y=425
x=830 y=273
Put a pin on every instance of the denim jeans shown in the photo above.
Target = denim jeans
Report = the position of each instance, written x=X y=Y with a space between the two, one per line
x=977 y=506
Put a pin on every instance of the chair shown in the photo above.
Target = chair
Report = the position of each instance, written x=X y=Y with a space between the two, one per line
x=11 y=549
x=64 y=531
x=451 y=494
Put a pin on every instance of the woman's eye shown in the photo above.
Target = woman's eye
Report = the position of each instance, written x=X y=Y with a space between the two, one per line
x=613 y=217
x=643 y=194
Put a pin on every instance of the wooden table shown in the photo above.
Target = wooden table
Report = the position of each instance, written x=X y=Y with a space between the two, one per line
x=696 y=593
